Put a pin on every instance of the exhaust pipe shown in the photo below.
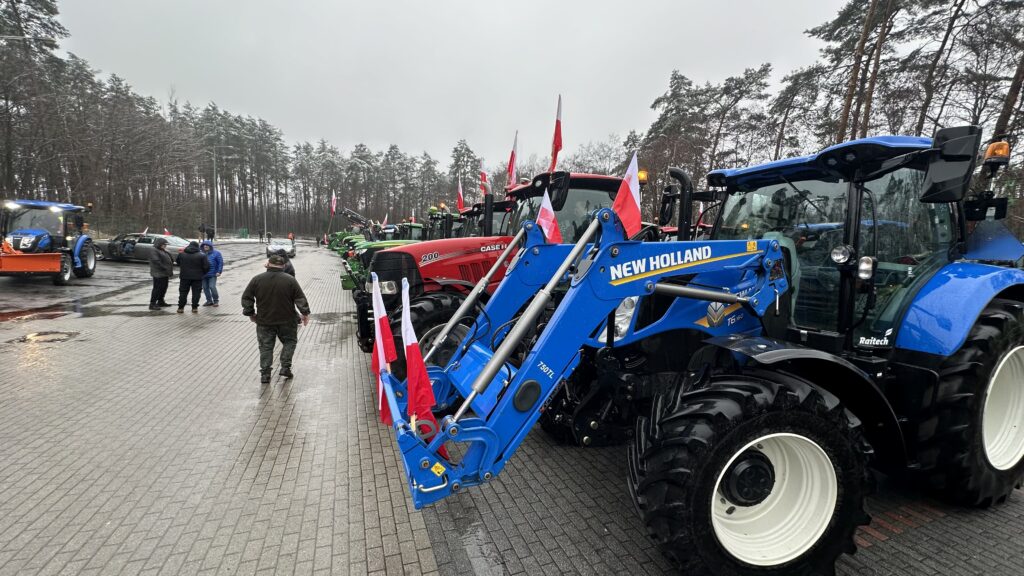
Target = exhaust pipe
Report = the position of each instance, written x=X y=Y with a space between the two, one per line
x=526 y=321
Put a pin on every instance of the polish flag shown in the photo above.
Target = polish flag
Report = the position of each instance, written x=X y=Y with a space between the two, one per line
x=483 y=178
x=383 y=348
x=547 y=222
x=167 y=232
x=510 y=180
x=461 y=202
x=385 y=222
x=627 y=200
x=420 y=391
x=334 y=203
x=146 y=231
x=556 y=143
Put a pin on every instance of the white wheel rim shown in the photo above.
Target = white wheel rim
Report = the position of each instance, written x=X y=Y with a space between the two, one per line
x=1002 y=419
x=796 y=513
x=90 y=259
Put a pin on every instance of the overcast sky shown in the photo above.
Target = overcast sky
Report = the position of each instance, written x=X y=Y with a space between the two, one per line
x=424 y=73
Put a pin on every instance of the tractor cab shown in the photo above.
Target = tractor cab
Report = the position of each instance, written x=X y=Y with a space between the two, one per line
x=863 y=226
x=31 y=226
x=574 y=198
x=409 y=231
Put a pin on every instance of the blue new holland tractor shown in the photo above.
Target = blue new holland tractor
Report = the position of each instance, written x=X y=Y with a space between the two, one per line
x=859 y=307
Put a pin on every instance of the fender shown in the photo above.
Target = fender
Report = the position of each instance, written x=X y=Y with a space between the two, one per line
x=837 y=376
x=944 y=310
x=78 y=249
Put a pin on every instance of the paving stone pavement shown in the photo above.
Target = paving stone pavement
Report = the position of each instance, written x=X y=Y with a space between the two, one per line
x=144 y=444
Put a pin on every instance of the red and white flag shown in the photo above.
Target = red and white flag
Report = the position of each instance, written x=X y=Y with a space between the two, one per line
x=510 y=180
x=547 y=221
x=556 y=143
x=419 y=390
x=627 y=200
x=383 y=348
x=483 y=178
x=461 y=202
x=167 y=232
x=385 y=222
x=334 y=203
x=146 y=231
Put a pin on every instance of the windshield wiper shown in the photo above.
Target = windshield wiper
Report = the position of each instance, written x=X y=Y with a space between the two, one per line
x=804 y=195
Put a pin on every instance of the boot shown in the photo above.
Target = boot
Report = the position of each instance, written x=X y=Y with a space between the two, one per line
x=195 y=310
x=181 y=310
x=265 y=378
x=286 y=372
x=162 y=304
x=154 y=307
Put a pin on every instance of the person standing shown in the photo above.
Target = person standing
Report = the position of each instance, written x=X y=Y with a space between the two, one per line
x=210 y=278
x=192 y=266
x=161 y=268
x=268 y=236
x=270 y=300
x=261 y=236
x=288 y=267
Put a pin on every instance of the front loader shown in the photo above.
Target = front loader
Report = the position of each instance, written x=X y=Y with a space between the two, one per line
x=840 y=317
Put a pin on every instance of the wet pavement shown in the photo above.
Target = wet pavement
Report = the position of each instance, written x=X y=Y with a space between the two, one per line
x=138 y=442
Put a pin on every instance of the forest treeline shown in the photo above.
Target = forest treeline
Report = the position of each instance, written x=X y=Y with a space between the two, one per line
x=886 y=67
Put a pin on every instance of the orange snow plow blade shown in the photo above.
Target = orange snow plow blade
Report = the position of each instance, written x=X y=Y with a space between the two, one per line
x=31 y=263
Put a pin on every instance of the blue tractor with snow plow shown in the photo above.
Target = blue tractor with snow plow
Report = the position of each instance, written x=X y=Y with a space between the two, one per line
x=859 y=307
x=39 y=237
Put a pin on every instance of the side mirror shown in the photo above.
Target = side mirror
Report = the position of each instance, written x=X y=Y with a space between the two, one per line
x=558 y=189
x=668 y=205
x=952 y=164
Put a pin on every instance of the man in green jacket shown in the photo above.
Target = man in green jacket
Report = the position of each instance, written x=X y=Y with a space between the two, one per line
x=270 y=300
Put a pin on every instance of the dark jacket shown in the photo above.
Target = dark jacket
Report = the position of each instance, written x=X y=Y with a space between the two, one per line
x=273 y=297
x=192 y=264
x=215 y=258
x=161 y=265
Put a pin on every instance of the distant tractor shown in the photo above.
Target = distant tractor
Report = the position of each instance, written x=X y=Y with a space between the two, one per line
x=45 y=238
x=859 y=307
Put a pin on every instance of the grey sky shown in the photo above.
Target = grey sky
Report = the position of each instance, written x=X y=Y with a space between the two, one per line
x=424 y=73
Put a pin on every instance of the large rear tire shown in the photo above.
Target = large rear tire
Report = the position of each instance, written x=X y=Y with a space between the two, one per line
x=87 y=255
x=754 y=474
x=972 y=450
x=427 y=312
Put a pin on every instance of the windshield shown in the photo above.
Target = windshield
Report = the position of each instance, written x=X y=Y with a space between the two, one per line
x=52 y=222
x=908 y=237
x=574 y=215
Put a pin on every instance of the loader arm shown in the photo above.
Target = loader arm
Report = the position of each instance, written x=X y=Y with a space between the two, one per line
x=502 y=402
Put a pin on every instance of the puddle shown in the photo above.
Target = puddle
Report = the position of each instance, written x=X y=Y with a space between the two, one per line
x=44 y=338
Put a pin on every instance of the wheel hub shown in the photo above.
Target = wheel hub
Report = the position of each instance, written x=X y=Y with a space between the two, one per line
x=1003 y=416
x=750 y=479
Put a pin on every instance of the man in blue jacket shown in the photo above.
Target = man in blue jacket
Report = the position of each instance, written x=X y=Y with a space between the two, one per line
x=210 y=279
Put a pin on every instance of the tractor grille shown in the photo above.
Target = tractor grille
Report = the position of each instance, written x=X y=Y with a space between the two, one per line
x=394 y=266
x=471 y=272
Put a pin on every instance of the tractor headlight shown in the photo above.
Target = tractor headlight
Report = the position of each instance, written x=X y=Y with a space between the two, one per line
x=841 y=254
x=386 y=287
x=866 y=267
x=624 y=316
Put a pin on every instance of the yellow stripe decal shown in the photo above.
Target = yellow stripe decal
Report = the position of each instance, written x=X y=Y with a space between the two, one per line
x=621 y=281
